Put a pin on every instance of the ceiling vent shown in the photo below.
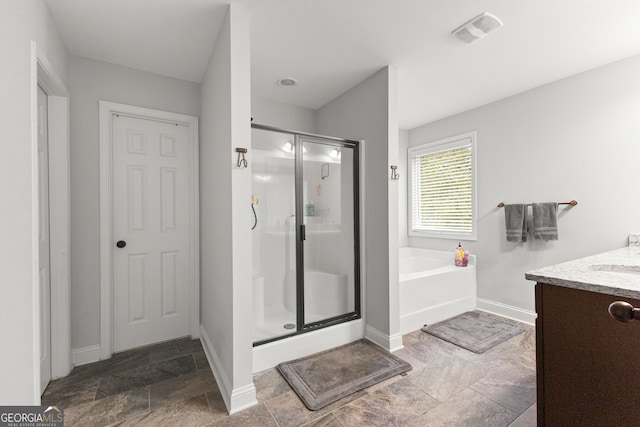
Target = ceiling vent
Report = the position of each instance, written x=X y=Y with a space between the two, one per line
x=477 y=28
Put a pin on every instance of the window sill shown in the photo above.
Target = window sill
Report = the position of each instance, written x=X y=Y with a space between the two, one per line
x=470 y=237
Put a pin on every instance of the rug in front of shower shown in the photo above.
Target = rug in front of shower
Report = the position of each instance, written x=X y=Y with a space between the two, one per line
x=323 y=378
x=475 y=331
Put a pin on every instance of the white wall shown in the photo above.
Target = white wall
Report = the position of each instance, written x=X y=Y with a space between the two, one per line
x=89 y=82
x=285 y=116
x=20 y=23
x=577 y=138
x=368 y=111
x=403 y=170
x=225 y=194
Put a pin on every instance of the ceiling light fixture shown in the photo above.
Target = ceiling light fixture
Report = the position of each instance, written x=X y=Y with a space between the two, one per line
x=287 y=82
x=288 y=147
x=477 y=27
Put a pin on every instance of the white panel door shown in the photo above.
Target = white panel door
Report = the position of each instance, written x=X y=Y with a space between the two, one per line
x=151 y=219
x=43 y=242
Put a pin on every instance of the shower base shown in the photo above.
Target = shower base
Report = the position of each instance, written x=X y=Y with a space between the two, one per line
x=274 y=323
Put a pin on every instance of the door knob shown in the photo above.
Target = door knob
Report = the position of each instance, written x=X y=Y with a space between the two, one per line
x=121 y=244
x=623 y=311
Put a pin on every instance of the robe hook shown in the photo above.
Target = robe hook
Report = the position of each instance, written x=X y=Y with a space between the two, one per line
x=394 y=173
x=242 y=162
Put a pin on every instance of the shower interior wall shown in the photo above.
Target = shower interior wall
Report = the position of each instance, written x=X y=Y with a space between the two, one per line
x=273 y=253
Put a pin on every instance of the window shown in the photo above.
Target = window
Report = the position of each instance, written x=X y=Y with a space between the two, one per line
x=442 y=188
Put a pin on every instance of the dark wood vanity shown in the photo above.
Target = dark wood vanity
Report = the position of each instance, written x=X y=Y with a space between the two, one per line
x=588 y=363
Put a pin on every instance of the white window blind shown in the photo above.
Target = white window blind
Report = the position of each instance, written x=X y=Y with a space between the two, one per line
x=443 y=188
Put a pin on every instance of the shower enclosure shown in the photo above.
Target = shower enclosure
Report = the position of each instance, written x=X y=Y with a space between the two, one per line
x=305 y=219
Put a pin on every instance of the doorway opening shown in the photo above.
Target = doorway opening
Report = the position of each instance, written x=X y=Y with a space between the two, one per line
x=149 y=267
x=50 y=132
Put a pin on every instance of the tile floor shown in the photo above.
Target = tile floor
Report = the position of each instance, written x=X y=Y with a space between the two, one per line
x=171 y=384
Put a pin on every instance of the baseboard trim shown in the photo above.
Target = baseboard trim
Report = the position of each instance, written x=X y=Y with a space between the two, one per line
x=390 y=343
x=224 y=384
x=509 y=311
x=85 y=355
x=243 y=398
x=234 y=399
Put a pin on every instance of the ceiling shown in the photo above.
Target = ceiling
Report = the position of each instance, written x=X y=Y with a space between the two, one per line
x=331 y=45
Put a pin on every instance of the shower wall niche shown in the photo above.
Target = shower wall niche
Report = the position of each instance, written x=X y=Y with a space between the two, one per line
x=305 y=235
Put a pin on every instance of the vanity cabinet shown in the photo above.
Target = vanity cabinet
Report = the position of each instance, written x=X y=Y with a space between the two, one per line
x=588 y=364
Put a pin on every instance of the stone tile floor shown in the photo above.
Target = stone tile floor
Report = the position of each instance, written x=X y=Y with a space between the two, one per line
x=171 y=384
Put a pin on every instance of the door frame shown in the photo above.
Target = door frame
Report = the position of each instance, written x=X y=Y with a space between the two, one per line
x=43 y=74
x=107 y=111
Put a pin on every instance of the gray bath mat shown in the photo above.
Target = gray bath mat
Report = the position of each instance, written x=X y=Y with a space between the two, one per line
x=323 y=378
x=474 y=331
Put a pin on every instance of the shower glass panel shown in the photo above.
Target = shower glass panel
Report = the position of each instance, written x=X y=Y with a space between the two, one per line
x=329 y=239
x=304 y=217
x=274 y=234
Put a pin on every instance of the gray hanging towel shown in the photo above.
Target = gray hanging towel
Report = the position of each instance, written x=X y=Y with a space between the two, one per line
x=545 y=221
x=515 y=219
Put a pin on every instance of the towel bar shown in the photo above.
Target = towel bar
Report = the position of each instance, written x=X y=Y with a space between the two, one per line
x=572 y=203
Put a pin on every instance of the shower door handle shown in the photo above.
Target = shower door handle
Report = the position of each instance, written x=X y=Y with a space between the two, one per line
x=303 y=233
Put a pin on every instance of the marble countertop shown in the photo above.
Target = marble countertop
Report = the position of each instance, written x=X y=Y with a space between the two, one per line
x=616 y=272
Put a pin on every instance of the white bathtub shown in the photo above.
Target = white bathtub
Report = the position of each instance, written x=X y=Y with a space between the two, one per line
x=432 y=288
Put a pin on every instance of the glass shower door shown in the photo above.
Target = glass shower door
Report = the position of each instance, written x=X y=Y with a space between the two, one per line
x=328 y=284
x=304 y=221
x=273 y=222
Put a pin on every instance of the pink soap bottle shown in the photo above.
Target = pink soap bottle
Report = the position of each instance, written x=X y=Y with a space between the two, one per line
x=459 y=255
